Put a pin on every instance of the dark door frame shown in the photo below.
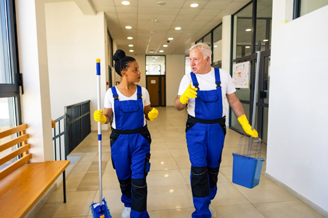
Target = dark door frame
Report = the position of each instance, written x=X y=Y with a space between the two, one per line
x=160 y=77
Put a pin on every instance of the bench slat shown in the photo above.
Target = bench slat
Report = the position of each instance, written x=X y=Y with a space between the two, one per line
x=13 y=130
x=22 y=189
x=13 y=142
x=11 y=168
x=14 y=154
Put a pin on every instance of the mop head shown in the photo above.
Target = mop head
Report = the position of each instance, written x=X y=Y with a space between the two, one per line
x=100 y=211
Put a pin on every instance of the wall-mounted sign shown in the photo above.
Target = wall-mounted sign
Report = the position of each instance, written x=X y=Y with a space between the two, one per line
x=240 y=76
x=152 y=81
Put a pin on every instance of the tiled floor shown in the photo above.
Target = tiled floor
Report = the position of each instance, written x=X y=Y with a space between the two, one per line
x=169 y=193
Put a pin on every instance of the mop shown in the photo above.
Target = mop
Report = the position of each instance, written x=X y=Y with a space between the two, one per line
x=247 y=163
x=99 y=210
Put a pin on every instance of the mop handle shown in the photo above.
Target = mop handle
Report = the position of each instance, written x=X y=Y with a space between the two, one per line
x=256 y=82
x=99 y=129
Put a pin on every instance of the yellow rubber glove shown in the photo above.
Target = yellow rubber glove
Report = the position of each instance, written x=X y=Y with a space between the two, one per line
x=99 y=116
x=152 y=114
x=247 y=127
x=189 y=93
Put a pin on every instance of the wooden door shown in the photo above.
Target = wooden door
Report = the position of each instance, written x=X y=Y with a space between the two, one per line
x=153 y=85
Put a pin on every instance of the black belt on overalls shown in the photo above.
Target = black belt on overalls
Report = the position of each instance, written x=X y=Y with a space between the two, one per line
x=197 y=120
x=193 y=120
x=130 y=131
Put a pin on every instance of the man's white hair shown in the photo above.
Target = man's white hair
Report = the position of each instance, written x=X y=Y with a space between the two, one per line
x=204 y=48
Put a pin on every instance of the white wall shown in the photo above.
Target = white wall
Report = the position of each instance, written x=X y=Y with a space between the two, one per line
x=175 y=70
x=74 y=42
x=32 y=50
x=298 y=119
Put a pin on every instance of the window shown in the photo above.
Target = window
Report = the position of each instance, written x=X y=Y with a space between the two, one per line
x=155 y=65
x=9 y=88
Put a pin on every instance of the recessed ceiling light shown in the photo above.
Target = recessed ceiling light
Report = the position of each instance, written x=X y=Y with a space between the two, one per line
x=161 y=3
x=161 y=50
x=178 y=28
x=194 y=5
x=131 y=50
x=215 y=46
x=170 y=38
x=248 y=30
x=125 y=2
x=130 y=45
x=165 y=45
x=128 y=27
x=247 y=46
x=153 y=20
x=265 y=40
x=130 y=37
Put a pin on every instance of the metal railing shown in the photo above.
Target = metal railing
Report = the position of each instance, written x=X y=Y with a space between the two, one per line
x=78 y=123
x=61 y=137
x=71 y=128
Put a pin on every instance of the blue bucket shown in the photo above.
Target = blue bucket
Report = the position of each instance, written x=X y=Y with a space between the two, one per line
x=246 y=170
x=100 y=211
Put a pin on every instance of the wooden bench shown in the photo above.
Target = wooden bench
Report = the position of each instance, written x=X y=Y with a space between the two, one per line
x=22 y=183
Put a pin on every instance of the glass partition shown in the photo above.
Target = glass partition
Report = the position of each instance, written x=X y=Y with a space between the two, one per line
x=243 y=32
x=217 y=44
x=308 y=6
x=155 y=65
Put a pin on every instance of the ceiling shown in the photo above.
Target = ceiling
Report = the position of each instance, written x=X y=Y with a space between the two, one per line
x=152 y=24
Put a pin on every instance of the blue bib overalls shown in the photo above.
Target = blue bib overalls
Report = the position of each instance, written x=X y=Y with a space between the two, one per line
x=130 y=151
x=205 y=137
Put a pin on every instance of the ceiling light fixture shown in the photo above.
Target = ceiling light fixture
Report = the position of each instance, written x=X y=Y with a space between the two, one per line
x=128 y=27
x=265 y=40
x=161 y=51
x=165 y=45
x=194 y=5
x=131 y=50
x=161 y=3
x=178 y=28
x=130 y=37
x=125 y=2
x=248 y=30
x=215 y=46
x=130 y=45
x=170 y=38
x=247 y=46
x=153 y=20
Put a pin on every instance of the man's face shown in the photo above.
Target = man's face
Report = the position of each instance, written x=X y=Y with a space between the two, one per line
x=198 y=64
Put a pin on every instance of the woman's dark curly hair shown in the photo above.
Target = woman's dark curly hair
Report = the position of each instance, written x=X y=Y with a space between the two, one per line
x=121 y=61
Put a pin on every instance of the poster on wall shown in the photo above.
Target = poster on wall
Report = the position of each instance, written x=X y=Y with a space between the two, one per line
x=240 y=76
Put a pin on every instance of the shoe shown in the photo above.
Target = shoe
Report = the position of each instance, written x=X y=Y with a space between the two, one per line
x=213 y=212
x=126 y=212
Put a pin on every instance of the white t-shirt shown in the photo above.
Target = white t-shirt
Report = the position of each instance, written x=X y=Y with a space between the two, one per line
x=207 y=82
x=109 y=101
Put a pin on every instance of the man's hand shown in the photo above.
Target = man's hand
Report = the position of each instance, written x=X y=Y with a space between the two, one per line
x=246 y=126
x=189 y=93
x=153 y=114
x=98 y=116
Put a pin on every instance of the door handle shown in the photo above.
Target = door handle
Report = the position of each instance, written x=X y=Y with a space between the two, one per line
x=263 y=94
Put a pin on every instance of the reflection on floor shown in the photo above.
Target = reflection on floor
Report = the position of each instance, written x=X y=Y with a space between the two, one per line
x=169 y=194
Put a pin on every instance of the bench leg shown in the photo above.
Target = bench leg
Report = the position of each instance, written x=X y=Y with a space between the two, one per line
x=64 y=187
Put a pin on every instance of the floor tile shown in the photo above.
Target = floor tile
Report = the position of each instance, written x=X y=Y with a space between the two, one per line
x=290 y=209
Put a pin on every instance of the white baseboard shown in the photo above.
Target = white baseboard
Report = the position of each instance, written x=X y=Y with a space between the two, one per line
x=297 y=195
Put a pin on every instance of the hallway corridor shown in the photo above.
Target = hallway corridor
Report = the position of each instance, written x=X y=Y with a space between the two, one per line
x=169 y=193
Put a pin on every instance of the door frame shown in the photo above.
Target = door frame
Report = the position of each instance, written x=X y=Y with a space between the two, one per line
x=160 y=77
